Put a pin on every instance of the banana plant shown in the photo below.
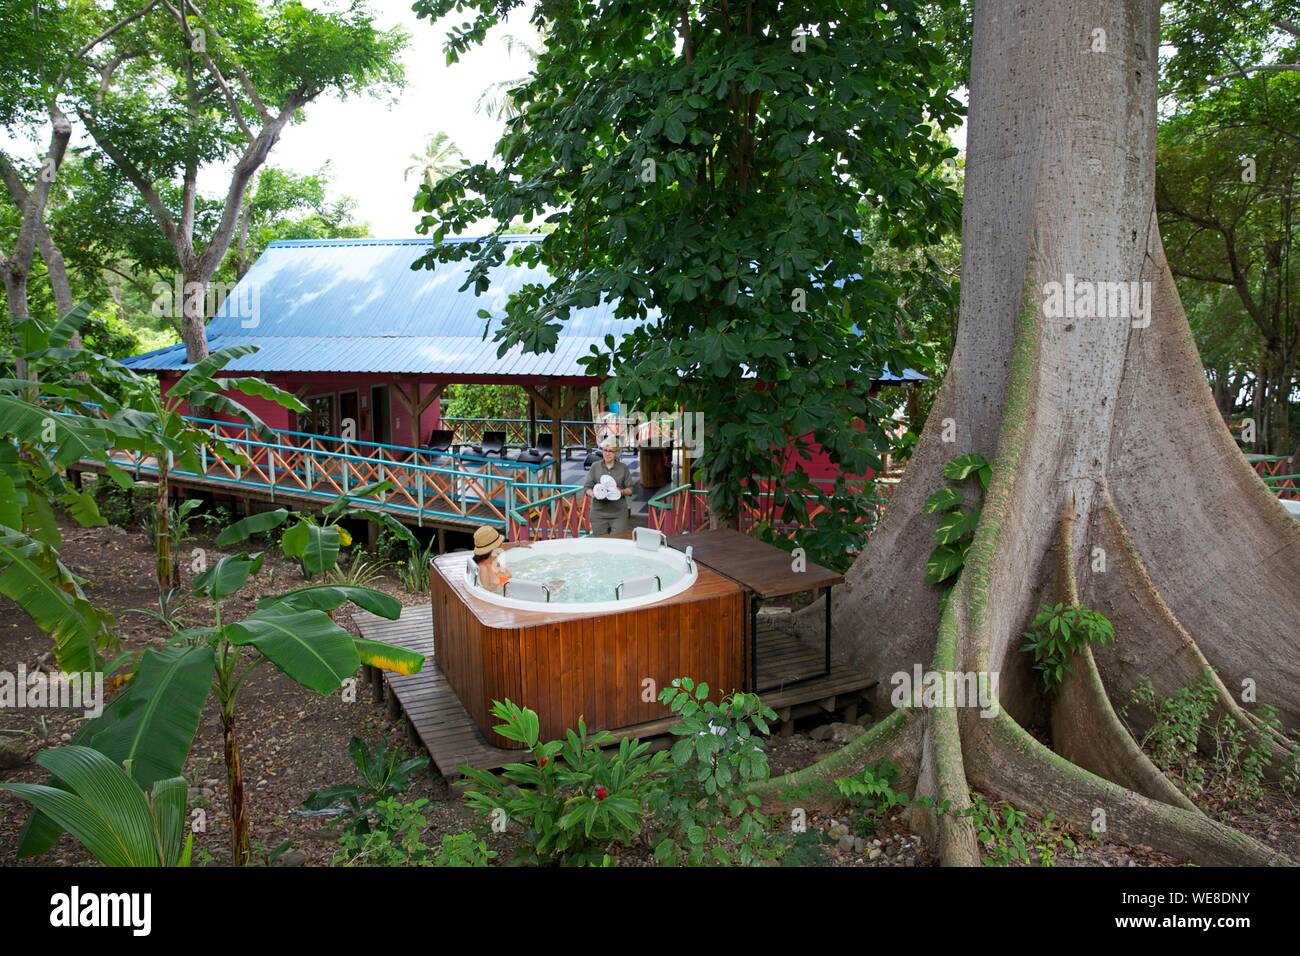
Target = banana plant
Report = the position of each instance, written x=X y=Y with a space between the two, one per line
x=36 y=448
x=317 y=541
x=150 y=727
x=93 y=408
x=108 y=813
x=165 y=438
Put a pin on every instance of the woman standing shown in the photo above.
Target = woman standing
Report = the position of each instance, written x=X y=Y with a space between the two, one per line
x=609 y=485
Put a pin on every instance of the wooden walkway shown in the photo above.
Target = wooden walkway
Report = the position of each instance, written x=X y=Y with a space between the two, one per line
x=438 y=722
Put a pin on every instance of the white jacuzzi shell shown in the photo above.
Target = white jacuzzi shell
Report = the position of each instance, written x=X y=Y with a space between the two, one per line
x=671 y=557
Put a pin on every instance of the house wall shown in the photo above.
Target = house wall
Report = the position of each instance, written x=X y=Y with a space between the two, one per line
x=308 y=387
x=816 y=462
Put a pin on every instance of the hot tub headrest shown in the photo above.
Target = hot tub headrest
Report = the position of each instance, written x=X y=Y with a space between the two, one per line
x=638 y=587
x=649 y=538
x=525 y=590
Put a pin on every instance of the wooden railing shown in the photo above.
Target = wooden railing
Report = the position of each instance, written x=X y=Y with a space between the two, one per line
x=685 y=509
x=431 y=485
x=573 y=434
x=563 y=513
x=425 y=485
x=680 y=510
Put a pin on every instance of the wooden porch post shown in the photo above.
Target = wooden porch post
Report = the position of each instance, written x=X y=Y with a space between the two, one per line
x=551 y=399
x=415 y=406
x=557 y=437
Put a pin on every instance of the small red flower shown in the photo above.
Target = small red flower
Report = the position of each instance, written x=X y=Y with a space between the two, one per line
x=601 y=793
x=543 y=761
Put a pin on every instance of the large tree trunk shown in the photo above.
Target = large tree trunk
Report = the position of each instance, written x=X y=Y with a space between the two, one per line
x=194 y=331
x=1106 y=419
x=1273 y=399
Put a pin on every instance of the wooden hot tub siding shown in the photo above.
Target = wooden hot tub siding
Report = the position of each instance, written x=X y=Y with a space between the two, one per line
x=564 y=666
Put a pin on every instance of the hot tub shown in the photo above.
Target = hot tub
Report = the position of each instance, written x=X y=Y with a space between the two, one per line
x=588 y=575
x=604 y=660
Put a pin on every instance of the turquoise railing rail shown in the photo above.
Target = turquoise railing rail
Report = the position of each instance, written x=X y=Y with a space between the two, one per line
x=1284 y=486
x=304 y=469
x=557 y=511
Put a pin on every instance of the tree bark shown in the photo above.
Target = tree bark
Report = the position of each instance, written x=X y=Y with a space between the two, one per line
x=165 y=561
x=240 y=845
x=1105 y=418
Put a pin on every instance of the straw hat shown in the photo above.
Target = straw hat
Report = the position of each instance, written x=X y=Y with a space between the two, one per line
x=486 y=540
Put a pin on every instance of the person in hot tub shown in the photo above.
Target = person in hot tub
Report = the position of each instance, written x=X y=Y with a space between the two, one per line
x=609 y=485
x=492 y=574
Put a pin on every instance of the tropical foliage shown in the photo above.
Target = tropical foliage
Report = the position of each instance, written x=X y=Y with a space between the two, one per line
x=713 y=170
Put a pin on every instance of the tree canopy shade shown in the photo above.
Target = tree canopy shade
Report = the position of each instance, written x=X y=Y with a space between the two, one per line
x=45 y=54
x=713 y=167
x=1228 y=194
x=183 y=87
x=1111 y=483
x=1208 y=41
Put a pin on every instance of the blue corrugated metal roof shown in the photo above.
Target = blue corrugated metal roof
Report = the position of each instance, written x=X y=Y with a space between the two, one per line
x=356 y=305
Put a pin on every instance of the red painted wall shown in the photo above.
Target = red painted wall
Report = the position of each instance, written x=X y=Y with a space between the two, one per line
x=316 y=385
x=816 y=463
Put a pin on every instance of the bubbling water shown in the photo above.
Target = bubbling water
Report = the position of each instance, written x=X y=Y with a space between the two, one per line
x=588 y=576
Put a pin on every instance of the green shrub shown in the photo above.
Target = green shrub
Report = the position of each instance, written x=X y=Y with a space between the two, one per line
x=574 y=799
x=1006 y=836
x=116 y=504
x=1060 y=631
x=383 y=776
x=464 y=849
x=1216 y=760
x=704 y=809
x=872 y=793
x=394 y=837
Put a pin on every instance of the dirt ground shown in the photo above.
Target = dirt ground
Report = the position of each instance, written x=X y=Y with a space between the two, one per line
x=294 y=741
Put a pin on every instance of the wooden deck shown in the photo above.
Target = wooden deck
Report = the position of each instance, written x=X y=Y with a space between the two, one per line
x=764 y=570
x=441 y=724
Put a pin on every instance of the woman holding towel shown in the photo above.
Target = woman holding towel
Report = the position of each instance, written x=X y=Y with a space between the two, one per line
x=609 y=485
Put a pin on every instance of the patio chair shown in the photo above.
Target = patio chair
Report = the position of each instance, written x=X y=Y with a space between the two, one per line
x=494 y=443
x=440 y=440
x=533 y=456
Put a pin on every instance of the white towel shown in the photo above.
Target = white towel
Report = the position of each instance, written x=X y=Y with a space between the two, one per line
x=606 y=489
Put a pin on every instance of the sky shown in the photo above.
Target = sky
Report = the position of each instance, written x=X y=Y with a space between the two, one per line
x=369 y=142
